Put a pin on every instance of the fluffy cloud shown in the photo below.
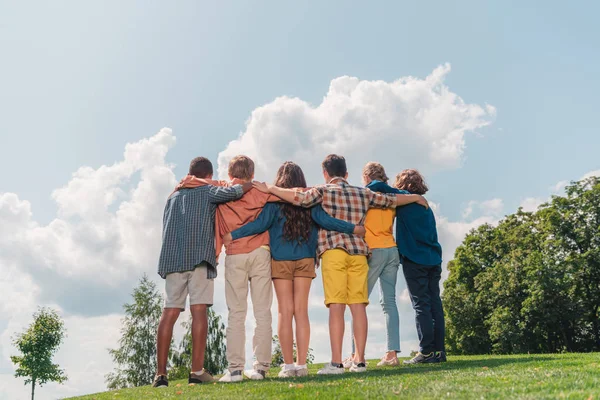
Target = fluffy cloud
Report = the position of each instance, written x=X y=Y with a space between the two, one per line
x=85 y=261
x=409 y=122
x=107 y=231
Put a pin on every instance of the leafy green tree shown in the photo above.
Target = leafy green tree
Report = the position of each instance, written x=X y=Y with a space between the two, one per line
x=37 y=346
x=215 y=357
x=532 y=283
x=135 y=358
x=277 y=358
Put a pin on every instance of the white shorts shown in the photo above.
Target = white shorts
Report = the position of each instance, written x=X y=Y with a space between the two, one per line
x=195 y=283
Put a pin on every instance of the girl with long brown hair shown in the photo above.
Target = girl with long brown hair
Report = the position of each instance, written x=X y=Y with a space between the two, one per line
x=293 y=240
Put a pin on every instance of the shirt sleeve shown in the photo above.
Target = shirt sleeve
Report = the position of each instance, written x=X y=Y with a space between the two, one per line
x=328 y=222
x=262 y=223
x=309 y=197
x=218 y=194
x=379 y=200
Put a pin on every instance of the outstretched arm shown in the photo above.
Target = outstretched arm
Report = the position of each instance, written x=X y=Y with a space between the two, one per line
x=217 y=194
x=330 y=223
x=394 y=200
x=262 y=223
x=305 y=199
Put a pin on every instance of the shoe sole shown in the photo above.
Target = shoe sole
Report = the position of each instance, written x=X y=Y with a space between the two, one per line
x=358 y=371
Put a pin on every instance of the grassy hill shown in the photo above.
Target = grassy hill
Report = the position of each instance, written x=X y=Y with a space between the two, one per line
x=569 y=376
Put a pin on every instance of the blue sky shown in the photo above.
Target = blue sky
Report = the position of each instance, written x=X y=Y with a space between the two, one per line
x=79 y=80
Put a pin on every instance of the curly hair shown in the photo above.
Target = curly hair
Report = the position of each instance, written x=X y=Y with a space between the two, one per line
x=374 y=171
x=411 y=180
x=298 y=221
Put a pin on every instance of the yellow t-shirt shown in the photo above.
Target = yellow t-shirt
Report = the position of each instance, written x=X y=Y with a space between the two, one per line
x=379 y=225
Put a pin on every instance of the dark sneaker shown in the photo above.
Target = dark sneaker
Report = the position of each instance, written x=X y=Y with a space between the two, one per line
x=421 y=358
x=160 y=381
x=204 y=377
x=441 y=356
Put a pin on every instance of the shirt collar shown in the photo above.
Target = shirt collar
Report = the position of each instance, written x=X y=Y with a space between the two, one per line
x=337 y=179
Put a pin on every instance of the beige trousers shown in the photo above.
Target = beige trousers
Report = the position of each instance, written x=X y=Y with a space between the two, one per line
x=253 y=267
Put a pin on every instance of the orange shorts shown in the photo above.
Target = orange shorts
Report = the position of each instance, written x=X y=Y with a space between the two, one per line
x=303 y=268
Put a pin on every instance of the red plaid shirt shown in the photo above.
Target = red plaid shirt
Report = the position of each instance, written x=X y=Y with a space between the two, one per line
x=348 y=203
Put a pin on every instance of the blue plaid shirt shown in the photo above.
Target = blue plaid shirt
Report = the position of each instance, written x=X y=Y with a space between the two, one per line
x=189 y=228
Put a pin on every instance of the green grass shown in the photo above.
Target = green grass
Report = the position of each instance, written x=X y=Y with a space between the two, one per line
x=547 y=376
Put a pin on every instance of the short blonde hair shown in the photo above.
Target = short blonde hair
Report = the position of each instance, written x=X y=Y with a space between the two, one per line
x=411 y=180
x=375 y=172
x=241 y=167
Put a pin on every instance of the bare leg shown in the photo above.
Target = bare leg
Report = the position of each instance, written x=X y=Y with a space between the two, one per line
x=336 y=331
x=163 y=340
x=301 y=290
x=359 y=317
x=284 y=289
x=199 y=332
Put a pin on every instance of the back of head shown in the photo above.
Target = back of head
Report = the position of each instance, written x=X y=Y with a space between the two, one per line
x=335 y=166
x=411 y=180
x=201 y=167
x=374 y=171
x=290 y=175
x=241 y=167
x=298 y=221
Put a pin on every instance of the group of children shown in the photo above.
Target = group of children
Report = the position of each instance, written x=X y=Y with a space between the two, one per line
x=274 y=237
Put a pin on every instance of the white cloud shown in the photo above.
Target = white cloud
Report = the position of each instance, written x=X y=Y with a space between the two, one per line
x=531 y=204
x=409 y=122
x=591 y=173
x=493 y=207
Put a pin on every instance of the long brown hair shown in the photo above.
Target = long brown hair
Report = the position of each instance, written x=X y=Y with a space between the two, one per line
x=298 y=222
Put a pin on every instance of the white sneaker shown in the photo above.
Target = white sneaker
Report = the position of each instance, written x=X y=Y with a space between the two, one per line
x=255 y=374
x=360 y=367
x=348 y=361
x=229 y=377
x=301 y=371
x=330 y=369
x=287 y=373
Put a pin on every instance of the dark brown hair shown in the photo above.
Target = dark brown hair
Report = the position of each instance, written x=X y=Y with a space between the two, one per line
x=241 y=167
x=411 y=180
x=298 y=221
x=375 y=172
x=201 y=167
x=335 y=166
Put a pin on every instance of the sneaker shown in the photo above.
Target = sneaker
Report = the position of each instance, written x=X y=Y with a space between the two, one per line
x=441 y=356
x=287 y=373
x=348 y=361
x=160 y=381
x=235 y=376
x=255 y=374
x=332 y=369
x=203 y=377
x=301 y=371
x=386 y=362
x=421 y=358
x=360 y=367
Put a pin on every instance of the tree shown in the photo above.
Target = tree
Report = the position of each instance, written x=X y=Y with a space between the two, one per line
x=37 y=345
x=215 y=358
x=532 y=283
x=277 y=358
x=135 y=358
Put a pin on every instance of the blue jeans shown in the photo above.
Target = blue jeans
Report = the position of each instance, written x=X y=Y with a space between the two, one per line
x=383 y=266
x=423 y=283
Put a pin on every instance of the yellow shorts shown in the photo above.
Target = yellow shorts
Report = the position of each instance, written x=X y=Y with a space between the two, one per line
x=344 y=278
